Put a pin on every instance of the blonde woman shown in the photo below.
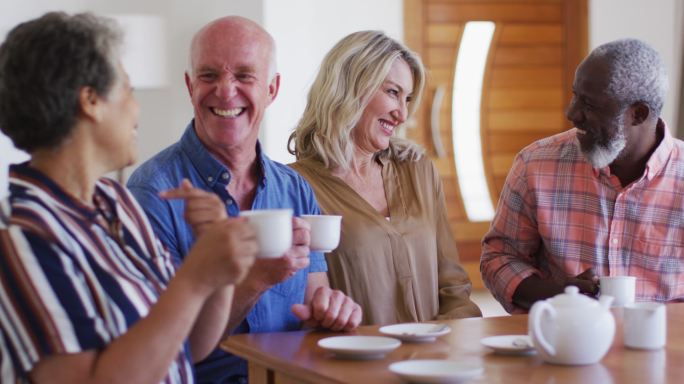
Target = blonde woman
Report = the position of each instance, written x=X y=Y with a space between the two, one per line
x=397 y=257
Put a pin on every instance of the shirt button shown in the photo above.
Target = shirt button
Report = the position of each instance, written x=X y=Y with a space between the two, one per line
x=229 y=202
x=224 y=175
x=210 y=179
x=615 y=241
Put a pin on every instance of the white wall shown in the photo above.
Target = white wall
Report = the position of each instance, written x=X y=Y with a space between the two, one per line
x=657 y=22
x=11 y=13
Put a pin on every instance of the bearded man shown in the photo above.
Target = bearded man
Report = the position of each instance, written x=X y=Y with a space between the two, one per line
x=603 y=199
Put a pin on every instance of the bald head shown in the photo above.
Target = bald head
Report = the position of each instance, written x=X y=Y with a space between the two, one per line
x=233 y=29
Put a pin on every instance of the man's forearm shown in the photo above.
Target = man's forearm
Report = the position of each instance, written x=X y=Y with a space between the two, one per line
x=246 y=296
x=533 y=289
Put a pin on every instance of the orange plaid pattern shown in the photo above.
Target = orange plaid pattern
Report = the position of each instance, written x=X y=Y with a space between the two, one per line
x=558 y=216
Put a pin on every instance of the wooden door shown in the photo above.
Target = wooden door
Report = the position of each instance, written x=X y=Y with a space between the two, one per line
x=527 y=82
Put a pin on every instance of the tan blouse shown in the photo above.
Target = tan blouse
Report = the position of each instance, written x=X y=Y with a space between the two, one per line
x=400 y=270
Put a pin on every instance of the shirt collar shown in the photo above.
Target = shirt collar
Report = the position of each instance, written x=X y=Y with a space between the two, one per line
x=662 y=153
x=38 y=180
x=658 y=158
x=210 y=168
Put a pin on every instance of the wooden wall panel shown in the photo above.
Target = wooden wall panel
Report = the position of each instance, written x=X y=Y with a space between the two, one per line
x=459 y=12
x=528 y=77
x=524 y=98
x=444 y=166
x=440 y=75
x=499 y=181
x=504 y=142
x=542 y=55
x=441 y=57
x=444 y=34
x=537 y=46
x=501 y=163
x=525 y=120
x=525 y=34
x=470 y=232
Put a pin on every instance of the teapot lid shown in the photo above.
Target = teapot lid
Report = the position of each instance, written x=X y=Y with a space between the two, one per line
x=572 y=298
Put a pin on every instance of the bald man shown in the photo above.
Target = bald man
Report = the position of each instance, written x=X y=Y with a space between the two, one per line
x=231 y=81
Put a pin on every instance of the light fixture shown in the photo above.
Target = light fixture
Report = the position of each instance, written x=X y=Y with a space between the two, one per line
x=144 y=49
x=143 y=54
x=470 y=67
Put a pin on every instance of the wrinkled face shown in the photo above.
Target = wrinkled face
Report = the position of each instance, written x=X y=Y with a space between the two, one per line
x=116 y=134
x=599 y=120
x=387 y=108
x=230 y=87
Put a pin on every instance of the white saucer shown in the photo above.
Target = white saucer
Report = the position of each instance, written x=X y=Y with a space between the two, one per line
x=359 y=347
x=436 y=371
x=509 y=344
x=416 y=331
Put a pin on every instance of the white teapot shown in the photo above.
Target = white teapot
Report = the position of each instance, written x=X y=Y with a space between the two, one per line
x=571 y=328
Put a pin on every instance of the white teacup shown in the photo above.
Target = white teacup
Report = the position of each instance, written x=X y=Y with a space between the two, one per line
x=622 y=288
x=325 y=232
x=645 y=325
x=273 y=230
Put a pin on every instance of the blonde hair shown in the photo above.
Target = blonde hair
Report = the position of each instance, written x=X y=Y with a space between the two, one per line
x=350 y=74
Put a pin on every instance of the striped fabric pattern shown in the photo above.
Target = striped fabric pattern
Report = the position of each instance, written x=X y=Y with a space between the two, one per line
x=74 y=278
x=558 y=216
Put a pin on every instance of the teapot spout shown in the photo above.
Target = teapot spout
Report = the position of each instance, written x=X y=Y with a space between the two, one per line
x=605 y=301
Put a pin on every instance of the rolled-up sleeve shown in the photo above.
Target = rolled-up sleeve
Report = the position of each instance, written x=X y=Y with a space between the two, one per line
x=508 y=248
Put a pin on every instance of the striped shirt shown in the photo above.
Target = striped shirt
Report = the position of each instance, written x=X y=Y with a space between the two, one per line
x=74 y=278
x=558 y=216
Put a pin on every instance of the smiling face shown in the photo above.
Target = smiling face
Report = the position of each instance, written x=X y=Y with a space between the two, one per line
x=387 y=108
x=230 y=86
x=598 y=117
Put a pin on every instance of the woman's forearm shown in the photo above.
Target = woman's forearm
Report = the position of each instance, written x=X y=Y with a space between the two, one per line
x=144 y=353
x=210 y=327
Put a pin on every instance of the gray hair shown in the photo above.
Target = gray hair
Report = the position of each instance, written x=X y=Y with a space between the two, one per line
x=637 y=73
x=44 y=64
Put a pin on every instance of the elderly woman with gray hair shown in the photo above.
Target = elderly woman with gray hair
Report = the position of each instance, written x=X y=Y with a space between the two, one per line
x=397 y=257
x=87 y=292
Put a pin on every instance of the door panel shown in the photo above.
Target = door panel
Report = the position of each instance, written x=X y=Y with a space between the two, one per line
x=537 y=45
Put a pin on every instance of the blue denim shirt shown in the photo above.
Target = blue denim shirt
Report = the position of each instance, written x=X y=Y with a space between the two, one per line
x=279 y=187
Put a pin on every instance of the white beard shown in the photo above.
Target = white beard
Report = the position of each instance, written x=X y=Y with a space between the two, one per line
x=601 y=156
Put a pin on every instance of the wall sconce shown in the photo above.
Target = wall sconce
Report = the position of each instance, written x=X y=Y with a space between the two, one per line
x=470 y=69
x=144 y=49
x=143 y=54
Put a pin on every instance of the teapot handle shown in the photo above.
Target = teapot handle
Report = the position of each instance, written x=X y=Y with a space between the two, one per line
x=536 y=313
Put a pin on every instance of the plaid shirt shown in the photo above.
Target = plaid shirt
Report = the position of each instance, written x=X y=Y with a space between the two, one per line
x=558 y=216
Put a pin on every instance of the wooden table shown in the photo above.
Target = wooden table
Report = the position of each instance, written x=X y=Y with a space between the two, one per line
x=294 y=357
